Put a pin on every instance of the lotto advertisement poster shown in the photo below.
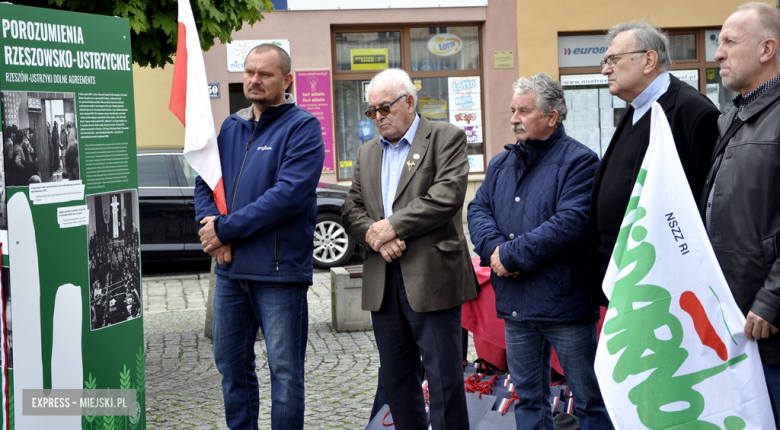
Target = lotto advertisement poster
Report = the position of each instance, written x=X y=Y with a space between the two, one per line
x=72 y=331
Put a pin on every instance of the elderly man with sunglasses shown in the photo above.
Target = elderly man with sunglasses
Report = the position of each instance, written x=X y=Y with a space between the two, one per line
x=637 y=65
x=405 y=207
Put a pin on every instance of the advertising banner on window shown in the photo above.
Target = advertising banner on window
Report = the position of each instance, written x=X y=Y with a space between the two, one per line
x=71 y=276
x=433 y=107
x=465 y=100
x=581 y=51
x=313 y=93
x=368 y=59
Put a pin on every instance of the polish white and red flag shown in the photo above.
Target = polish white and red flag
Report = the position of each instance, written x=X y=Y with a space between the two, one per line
x=191 y=104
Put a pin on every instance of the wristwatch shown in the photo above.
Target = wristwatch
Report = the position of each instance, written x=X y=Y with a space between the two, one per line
x=216 y=225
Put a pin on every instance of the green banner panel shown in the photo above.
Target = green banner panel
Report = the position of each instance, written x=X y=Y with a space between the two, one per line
x=72 y=310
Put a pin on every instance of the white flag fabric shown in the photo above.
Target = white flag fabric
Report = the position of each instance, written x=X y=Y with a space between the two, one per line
x=672 y=352
x=190 y=102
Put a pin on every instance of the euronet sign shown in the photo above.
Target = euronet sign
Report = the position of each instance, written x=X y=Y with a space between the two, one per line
x=581 y=51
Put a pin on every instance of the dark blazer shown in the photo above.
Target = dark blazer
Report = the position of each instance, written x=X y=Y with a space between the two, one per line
x=694 y=123
x=427 y=210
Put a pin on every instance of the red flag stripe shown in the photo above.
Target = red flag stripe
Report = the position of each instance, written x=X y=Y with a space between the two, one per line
x=178 y=104
x=691 y=304
x=219 y=197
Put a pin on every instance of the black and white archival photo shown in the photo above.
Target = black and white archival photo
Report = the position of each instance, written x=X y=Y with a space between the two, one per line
x=114 y=258
x=40 y=137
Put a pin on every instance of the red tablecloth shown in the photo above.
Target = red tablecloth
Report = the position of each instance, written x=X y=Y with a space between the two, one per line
x=479 y=317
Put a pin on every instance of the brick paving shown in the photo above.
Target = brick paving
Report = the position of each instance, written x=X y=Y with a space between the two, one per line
x=183 y=384
x=183 y=388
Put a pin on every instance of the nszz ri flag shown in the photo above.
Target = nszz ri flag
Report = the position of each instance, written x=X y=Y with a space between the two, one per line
x=672 y=352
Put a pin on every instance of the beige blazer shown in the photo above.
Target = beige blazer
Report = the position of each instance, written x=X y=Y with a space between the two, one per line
x=427 y=209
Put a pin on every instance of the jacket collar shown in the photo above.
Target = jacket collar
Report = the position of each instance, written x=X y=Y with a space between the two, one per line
x=535 y=148
x=419 y=147
x=247 y=114
x=759 y=104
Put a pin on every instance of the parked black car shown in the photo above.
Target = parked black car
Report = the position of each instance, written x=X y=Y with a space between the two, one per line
x=166 y=184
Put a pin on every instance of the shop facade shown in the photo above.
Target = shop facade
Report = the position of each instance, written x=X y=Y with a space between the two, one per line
x=462 y=56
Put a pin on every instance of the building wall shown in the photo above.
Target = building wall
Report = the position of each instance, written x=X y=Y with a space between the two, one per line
x=528 y=28
x=155 y=126
x=312 y=49
x=309 y=33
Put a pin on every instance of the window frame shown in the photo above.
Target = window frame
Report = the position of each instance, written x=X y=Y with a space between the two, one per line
x=406 y=62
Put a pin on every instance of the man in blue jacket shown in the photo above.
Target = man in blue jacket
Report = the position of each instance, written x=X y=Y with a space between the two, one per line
x=271 y=155
x=528 y=222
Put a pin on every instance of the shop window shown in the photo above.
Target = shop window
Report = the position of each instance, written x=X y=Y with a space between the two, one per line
x=445 y=48
x=682 y=46
x=353 y=128
x=716 y=92
x=594 y=113
x=368 y=51
x=444 y=64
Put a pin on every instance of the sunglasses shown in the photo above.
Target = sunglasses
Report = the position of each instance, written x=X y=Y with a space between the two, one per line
x=384 y=110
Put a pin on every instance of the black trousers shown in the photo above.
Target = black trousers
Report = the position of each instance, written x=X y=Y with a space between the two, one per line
x=403 y=336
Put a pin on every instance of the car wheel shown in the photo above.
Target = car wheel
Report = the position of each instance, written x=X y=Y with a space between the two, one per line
x=332 y=246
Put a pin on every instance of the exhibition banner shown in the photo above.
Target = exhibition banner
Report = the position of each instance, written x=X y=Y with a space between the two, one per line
x=672 y=343
x=71 y=282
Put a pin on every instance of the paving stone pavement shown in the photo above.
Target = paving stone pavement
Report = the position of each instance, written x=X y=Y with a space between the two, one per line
x=183 y=385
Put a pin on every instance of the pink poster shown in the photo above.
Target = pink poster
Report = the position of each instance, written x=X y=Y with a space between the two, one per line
x=313 y=93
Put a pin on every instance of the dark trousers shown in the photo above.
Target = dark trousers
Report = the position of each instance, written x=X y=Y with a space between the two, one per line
x=402 y=336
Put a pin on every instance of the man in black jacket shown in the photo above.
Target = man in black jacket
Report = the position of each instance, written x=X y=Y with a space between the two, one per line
x=740 y=202
x=637 y=65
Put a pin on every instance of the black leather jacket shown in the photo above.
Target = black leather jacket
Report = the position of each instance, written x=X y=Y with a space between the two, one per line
x=745 y=221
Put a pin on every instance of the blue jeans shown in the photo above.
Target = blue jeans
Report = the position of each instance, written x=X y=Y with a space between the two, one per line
x=528 y=357
x=280 y=310
x=772 y=376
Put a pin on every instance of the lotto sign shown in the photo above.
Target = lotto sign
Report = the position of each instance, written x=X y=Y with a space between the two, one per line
x=672 y=342
x=468 y=85
x=465 y=111
x=445 y=44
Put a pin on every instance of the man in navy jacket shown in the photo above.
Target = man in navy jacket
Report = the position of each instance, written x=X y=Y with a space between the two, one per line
x=528 y=222
x=271 y=155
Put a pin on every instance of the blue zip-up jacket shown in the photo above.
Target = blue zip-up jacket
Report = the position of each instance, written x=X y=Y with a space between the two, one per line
x=270 y=172
x=534 y=204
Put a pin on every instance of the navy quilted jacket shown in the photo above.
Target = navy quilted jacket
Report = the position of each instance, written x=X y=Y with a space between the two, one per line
x=534 y=204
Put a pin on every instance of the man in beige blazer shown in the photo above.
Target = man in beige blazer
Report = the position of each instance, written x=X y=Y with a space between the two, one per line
x=405 y=206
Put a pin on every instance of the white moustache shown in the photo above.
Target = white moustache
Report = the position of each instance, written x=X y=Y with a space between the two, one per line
x=518 y=127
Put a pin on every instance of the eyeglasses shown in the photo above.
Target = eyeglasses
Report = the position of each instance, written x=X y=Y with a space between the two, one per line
x=611 y=60
x=384 y=110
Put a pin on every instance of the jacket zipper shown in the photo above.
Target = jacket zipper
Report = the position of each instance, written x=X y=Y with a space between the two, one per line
x=276 y=249
x=241 y=171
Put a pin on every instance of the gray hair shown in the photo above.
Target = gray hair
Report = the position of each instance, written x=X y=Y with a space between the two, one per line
x=549 y=94
x=768 y=20
x=646 y=37
x=402 y=83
